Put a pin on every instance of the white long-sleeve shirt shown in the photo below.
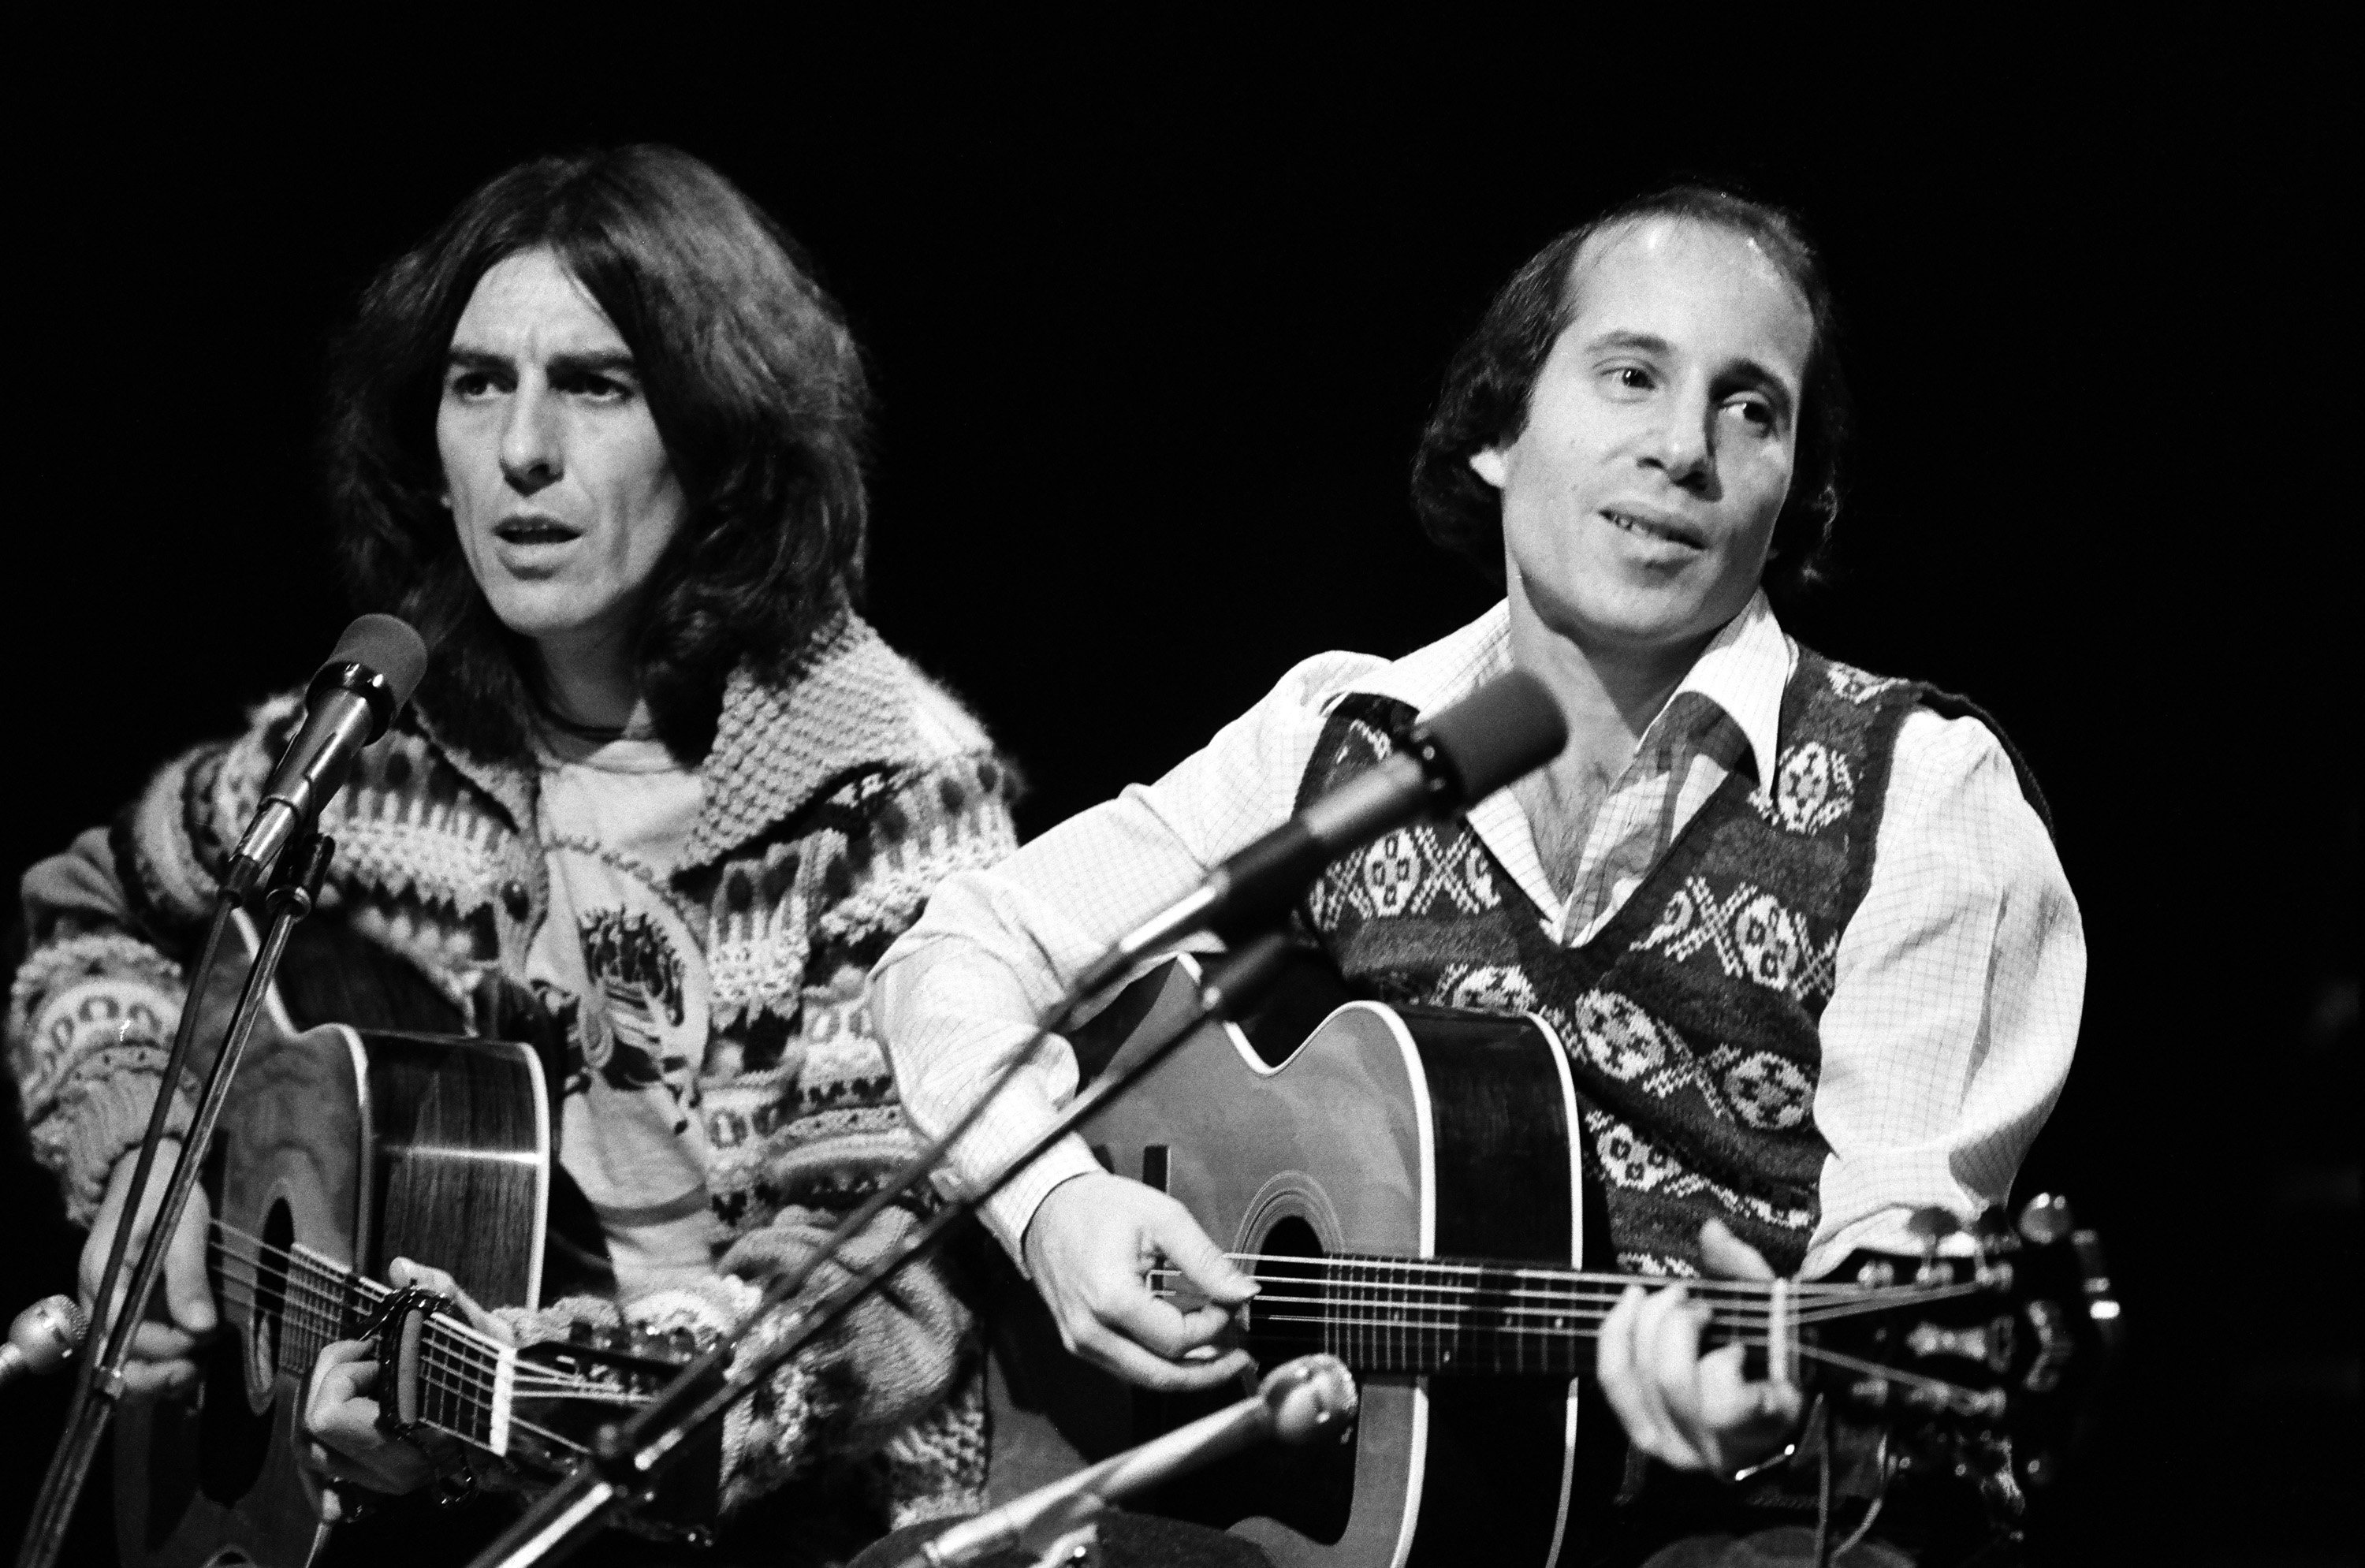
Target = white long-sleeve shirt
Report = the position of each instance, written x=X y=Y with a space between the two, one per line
x=1945 y=1044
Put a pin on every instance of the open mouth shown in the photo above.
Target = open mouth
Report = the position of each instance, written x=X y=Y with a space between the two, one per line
x=1663 y=529
x=533 y=531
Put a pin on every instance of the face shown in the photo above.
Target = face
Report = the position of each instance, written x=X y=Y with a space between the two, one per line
x=1639 y=501
x=558 y=484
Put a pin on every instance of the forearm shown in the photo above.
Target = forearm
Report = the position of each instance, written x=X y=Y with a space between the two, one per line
x=994 y=957
x=110 y=924
x=91 y=1015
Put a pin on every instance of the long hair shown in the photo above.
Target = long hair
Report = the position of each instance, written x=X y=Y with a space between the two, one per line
x=1484 y=403
x=759 y=394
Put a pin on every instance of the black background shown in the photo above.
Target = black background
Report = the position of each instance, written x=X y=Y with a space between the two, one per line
x=1155 y=322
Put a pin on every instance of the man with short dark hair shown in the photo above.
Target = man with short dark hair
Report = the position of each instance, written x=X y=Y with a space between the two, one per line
x=1800 y=930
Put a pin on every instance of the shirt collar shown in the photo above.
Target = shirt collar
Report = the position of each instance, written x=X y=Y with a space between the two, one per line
x=1743 y=671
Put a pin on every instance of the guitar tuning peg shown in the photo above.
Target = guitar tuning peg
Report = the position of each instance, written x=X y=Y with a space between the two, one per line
x=1932 y=1225
x=2046 y=1219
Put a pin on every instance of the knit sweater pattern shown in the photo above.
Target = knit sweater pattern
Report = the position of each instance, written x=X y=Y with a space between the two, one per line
x=1689 y=1018
x=832 y=804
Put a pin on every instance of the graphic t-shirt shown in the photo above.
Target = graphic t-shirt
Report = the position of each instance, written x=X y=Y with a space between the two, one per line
x=617 y=963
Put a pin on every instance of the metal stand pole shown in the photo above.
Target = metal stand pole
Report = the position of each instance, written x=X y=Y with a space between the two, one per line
x=294 y=887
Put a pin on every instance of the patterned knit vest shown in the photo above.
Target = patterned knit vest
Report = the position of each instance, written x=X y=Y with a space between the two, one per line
x=1690 y=1019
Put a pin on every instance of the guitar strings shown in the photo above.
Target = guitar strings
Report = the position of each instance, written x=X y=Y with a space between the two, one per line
x=1372 y=1334
x=342 y=1282
x=1442 y=1300
x=322 y=1293
x=1344 y=1267
x=323 y=1310
x=328 y=1322
x=1559 y=1293
x=340 y=1279
x=1950 y=1392
x=1574 y=1276
x=470 y=1401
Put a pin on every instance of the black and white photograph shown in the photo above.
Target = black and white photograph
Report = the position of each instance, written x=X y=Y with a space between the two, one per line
x=892 y=787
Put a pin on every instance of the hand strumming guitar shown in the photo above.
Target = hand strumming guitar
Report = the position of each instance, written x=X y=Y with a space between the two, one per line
x=1692 y=1411
x=1088 y=1245
x=162 y=1359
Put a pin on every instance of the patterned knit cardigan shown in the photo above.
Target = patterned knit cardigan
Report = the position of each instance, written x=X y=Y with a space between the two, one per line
x=832 y=807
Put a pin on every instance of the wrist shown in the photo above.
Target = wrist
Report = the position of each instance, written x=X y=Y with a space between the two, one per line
x=1063 y=1189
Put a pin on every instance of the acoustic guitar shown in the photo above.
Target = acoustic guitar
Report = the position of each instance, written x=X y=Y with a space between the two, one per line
x=343 y=1145
x=1407 y=1185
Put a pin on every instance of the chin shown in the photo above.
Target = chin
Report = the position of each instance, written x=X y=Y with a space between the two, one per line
x=538 y=622
x=1621 y=616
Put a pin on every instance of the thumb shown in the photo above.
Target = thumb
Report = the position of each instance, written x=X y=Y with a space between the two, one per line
x=1724 y=1256
x=188 y=1295
x=1201 y=1261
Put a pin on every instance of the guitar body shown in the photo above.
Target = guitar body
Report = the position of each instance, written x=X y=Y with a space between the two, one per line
x=357 y=1145
x=1406 y=1132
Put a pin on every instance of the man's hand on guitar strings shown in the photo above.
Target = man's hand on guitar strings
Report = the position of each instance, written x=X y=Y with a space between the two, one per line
x=1088 y=1245
x=1692 y=1411
x=342 y=1443
x=162 y=1359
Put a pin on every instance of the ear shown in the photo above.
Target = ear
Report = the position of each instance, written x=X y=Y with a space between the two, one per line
x=1488 y=465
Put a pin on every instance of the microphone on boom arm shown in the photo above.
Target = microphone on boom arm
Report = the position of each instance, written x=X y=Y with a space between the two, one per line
x=1507 y=728
x=376 y=666
x=1297 y=1401
x=43 y=1339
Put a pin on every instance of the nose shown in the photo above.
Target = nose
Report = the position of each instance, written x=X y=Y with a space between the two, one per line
x=1683 y=445
x=530 y=445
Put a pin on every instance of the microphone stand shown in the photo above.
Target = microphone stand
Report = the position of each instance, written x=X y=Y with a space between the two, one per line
x=295 y=885
x=629 y=1456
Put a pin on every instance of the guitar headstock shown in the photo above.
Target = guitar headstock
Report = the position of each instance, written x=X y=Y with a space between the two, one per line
x=1982 y=1355
x=576 y=1386
x=568 y=1389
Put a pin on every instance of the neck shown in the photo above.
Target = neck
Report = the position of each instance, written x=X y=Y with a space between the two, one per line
x=1608 y=692
x=589 y=681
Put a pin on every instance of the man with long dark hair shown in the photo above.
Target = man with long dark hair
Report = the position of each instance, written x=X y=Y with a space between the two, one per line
x=1800 y=929
x=599 y=439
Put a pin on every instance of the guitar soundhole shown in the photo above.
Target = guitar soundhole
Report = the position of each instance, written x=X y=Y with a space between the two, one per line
x=267 y=1324
x=1291 y=1326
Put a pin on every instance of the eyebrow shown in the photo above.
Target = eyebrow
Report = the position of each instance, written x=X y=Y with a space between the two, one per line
x=1746 y=371
x=600 y=362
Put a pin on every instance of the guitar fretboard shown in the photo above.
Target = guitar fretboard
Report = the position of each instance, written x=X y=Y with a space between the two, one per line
x=1420 y=1315
x=303 y=1303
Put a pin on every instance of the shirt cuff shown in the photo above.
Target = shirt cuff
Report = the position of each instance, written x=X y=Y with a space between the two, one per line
x=1008 y=1211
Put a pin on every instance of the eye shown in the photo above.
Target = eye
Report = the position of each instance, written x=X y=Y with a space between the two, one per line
x=1629 y=379
x=468 y=384
x=1756 y=411
x=597 y=386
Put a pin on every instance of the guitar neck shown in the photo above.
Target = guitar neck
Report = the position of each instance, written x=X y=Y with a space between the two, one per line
x=466 y=1381
x=1400 y=1315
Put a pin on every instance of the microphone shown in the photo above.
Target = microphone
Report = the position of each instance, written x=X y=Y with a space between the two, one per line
x=375 y=667
x=1297 y=1401
x=44 y=1338
x=1507 y=728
